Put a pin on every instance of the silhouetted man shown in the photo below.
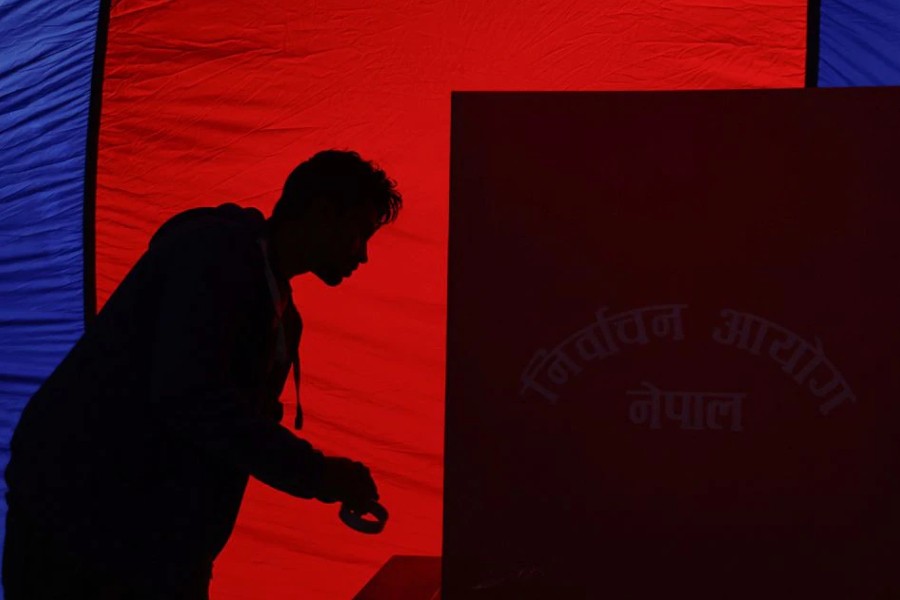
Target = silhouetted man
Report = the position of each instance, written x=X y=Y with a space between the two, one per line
x=129 y=464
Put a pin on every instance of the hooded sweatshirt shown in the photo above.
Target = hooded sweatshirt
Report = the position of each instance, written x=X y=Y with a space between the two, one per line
x=134 y=455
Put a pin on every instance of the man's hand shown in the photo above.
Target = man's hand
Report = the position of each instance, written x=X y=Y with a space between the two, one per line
x=346 y=481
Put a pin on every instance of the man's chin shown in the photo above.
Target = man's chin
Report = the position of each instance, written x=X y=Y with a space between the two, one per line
x=331 y=280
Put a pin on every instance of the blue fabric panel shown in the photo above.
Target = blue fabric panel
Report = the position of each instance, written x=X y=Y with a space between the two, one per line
x=46 y=60
x=859 y=43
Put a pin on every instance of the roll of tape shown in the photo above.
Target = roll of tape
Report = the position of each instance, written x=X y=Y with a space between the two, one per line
x=354 y=517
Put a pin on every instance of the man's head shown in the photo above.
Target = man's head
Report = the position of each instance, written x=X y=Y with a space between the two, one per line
x=330 y=206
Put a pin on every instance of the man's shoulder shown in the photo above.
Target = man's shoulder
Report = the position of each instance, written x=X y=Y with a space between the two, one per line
x=227 y=225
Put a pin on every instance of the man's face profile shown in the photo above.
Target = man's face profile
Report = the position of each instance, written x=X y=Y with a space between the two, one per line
x=341 y=239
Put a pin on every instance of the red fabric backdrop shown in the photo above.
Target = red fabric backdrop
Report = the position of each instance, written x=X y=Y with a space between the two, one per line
x=213 y=101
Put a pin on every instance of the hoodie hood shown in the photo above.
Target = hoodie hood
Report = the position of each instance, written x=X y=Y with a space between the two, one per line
x=228 y=215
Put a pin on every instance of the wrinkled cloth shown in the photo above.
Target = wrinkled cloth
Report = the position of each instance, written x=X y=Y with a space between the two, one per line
x=134 y=455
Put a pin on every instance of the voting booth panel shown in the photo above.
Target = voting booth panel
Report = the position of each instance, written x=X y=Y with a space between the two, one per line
x=672 y=345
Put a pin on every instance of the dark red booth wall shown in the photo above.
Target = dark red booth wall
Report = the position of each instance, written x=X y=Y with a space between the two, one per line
x=208 y=101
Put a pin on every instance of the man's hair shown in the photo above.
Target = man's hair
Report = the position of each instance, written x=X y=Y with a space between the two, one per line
x=340 y=176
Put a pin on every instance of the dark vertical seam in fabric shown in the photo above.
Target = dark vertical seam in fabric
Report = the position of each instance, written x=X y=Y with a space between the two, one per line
x=89 y=229
x=813 y=26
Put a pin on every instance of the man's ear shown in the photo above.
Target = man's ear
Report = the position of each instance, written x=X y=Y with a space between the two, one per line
x=323 y=208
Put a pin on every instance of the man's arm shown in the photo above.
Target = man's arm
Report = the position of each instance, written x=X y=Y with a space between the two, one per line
x=209 y=292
